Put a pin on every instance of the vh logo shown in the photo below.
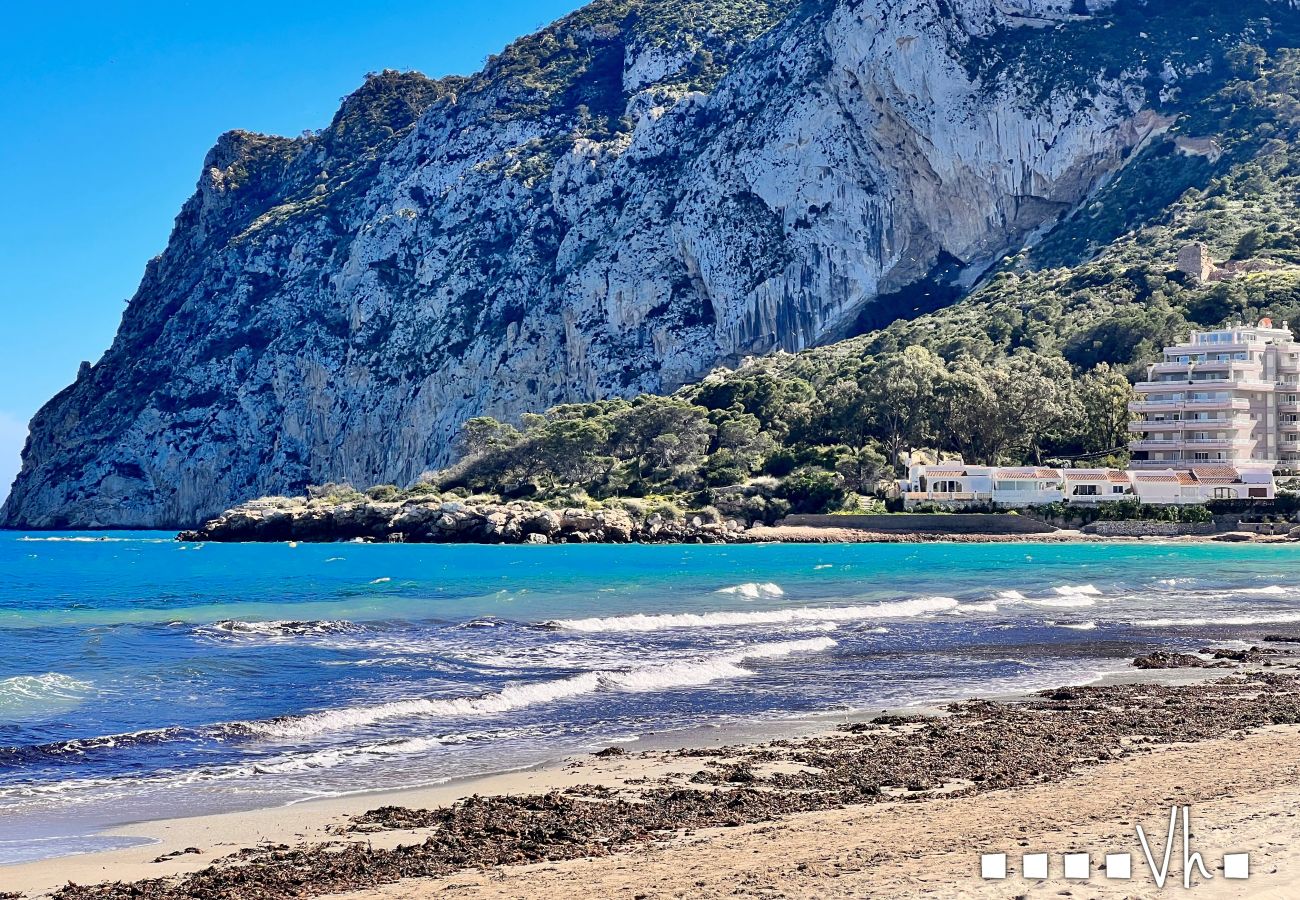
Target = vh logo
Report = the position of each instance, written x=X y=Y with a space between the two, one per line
x=1119 y=866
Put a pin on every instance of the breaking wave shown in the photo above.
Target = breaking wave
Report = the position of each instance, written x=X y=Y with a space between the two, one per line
x=1077 y=590
x=753 y=591
x=901 y=609
x=1271 y=590
x=282 y=628
x=34 y=693
x=685 y=673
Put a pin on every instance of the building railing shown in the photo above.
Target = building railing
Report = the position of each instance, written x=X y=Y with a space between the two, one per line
x=1173 y=405
x=1243 y=384
x=1234 y=423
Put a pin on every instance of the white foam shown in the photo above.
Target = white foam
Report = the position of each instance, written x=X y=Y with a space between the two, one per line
x=685 y=673
x=976 y=608
x=381 y=581
x=1065 y=602
x=1072 y=590
x=1271 y=590
x=1077 y=626
x=282 y=628
x=1010 y=596
x=1262 y=619
x=901 y=609
x=27 y=695
x=753 y=591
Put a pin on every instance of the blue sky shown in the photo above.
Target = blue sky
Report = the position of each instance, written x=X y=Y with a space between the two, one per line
x=106 y=111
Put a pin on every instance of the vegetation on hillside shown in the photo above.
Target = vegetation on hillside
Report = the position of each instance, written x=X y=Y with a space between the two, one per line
x=1032 y=366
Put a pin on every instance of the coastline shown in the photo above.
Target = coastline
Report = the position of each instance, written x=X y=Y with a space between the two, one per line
x=1010 y=773
x=439 y=521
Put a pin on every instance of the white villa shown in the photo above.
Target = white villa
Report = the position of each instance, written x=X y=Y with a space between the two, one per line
x=955 y=485
x=1228 y=398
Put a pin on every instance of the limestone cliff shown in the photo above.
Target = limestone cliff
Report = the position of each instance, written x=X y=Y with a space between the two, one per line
x=616 y=204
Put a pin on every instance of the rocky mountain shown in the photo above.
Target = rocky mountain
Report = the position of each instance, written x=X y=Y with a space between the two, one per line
x=616 y=204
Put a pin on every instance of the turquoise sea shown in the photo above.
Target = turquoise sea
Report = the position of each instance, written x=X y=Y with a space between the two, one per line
x=142 y=678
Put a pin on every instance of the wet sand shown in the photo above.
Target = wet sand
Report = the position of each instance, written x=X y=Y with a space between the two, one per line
x=902 y=806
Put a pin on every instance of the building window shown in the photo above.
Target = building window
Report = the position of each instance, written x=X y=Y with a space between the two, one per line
x=1087 y=490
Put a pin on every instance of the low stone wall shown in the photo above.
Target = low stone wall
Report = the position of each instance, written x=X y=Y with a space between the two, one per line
x=1146 y=528
x=921 y=523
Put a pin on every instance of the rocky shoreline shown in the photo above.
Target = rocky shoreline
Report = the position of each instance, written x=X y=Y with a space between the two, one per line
x=440 y=521
x=975 y=747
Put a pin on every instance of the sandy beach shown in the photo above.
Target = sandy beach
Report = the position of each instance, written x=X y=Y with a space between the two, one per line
x=899 y=806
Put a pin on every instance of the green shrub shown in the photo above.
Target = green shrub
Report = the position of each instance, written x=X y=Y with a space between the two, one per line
x=812 y=491
x=383 y=493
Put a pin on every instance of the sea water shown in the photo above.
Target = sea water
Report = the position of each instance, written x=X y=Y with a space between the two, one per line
x=143 y=678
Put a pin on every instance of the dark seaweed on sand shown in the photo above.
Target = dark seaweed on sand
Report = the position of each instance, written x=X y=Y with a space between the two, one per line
x=977 y=746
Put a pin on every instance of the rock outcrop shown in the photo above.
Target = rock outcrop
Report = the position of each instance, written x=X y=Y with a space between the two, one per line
x=450 y=521
x=616 y=204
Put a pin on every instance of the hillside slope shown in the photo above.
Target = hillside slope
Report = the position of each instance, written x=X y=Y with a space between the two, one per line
x=615 y=205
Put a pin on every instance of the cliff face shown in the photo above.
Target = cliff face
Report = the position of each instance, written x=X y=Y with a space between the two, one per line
x=616 y=204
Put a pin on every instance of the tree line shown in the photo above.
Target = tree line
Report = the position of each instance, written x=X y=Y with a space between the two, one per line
x=821 y=427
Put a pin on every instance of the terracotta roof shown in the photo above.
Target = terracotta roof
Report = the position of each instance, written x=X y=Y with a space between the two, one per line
x=1026 y=472
x=1165 y=479
x=1112 y=475
x=1216 y=475
x=1185 y=478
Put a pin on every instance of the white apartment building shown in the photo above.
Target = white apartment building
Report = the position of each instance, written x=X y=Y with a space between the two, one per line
x=955 y=485
x=1228 y=398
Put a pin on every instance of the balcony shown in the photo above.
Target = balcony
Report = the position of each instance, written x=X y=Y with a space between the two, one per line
x=1142 y=425
x=1167 y=445
x=1145 y=406
x=1241 y=384
x=1192 y=444
x=1237 y=423
x=1192 y=349
x=1214 y=365
x=1141 y=406
x=1218 y=443
x=1223 y=403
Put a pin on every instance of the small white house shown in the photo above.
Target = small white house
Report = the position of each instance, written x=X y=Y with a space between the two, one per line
x=1020 y=487
x=1092 y=486
x=1165 y=488
x=948 y=484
